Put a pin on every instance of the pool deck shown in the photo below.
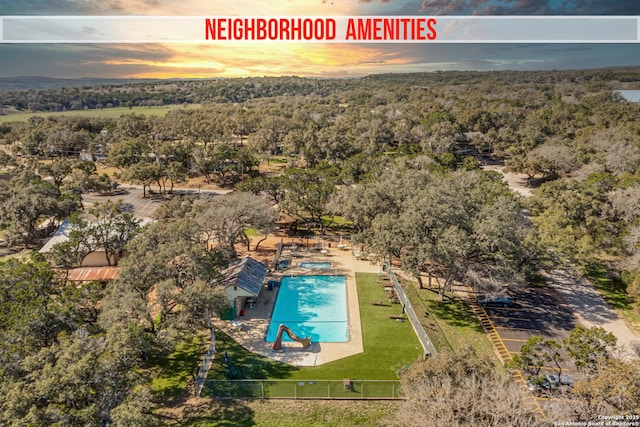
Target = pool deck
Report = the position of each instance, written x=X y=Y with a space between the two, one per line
x=251 y=329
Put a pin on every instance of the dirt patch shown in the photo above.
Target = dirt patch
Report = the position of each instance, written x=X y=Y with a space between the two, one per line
x=194 y=183
x=517 y=181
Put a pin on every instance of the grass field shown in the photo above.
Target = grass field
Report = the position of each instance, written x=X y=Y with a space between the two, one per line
x=388 y=346
x=456 y=320
x=105 y=112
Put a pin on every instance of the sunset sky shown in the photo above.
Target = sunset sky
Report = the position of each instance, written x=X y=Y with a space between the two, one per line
x=313 y=60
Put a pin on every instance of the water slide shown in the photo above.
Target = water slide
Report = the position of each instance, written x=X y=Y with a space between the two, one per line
x=277 y=345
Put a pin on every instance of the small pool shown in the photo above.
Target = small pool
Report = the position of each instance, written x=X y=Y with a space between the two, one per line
x=311 y=306
x=284 y=263
x=313 y=264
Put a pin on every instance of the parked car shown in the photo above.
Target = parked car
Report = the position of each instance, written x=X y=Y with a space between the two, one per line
x=550 y=383
x=495 y=301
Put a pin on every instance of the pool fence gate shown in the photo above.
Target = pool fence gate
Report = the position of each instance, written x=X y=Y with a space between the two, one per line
x=303 y=389
x=276 y=258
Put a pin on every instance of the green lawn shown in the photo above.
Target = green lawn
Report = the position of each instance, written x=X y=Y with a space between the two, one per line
x=290 y=413
x=388 y=346
x=250 y=231
x=613 y=290
x=105 y=112
x=172 y=372
x=453 y=317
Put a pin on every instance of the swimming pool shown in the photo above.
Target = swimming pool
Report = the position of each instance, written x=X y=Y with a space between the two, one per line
x=314 y=264
x=311 y=306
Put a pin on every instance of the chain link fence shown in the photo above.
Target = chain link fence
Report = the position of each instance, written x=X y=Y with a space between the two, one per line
x=423 y=337
x=430 y=325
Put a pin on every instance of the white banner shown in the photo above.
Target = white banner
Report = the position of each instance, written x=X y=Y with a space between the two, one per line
x=319 y=29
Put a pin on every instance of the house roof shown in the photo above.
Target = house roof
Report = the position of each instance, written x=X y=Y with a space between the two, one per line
x=248 y=274
x=90 y=274
x=284 y=219
x=61 y=235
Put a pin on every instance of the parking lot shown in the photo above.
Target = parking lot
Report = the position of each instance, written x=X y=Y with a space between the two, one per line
x=535 y=311
x=133 y=201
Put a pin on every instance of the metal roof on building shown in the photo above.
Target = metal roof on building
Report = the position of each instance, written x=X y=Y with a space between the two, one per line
x=61 y=235
x=93 y=274
x=248 y=274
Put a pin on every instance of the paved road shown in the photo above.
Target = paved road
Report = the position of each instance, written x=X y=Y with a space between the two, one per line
x=582 y=298
x=591 y=309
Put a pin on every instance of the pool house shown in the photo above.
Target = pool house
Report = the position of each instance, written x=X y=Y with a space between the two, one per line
x=242 y=284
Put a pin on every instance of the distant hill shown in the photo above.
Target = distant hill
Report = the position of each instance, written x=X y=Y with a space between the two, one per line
x=39 y=82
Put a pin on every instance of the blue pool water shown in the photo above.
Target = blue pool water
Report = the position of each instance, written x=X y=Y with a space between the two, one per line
x=311 y=264
x=312 y=306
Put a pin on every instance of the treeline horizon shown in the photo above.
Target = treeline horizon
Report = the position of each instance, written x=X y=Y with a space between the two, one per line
x=49 y=94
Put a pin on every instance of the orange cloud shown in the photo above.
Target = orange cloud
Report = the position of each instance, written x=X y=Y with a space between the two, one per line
x=273 y=59
x=235 y=8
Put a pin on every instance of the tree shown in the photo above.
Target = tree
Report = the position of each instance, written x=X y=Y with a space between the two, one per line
x=7 y=160
x=84 y=178
x=461 y=226
x=576 y=218
x=168 y=283
x=536 y=353
x=362 y=204
x=176 y=173
x=626 y=203
x=70 y=253
x=225 y=219
x=127 y=153
x=272 y=187
x=30 y=316
x=612 y=389
x=547 y=161
x=135 y=410
x=623 y=156
x=270 y=134
x=441 y=138
x=461 y=388
x=309 y=191
x=590 y=347
x=132 y=126
x=25 y=201
x=65 y=142
x=79 y=380
x=112 y=229
x=223 y=160
x=58 y=170
x=143 y=173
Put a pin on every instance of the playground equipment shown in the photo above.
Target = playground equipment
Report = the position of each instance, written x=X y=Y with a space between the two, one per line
x=277 y=345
